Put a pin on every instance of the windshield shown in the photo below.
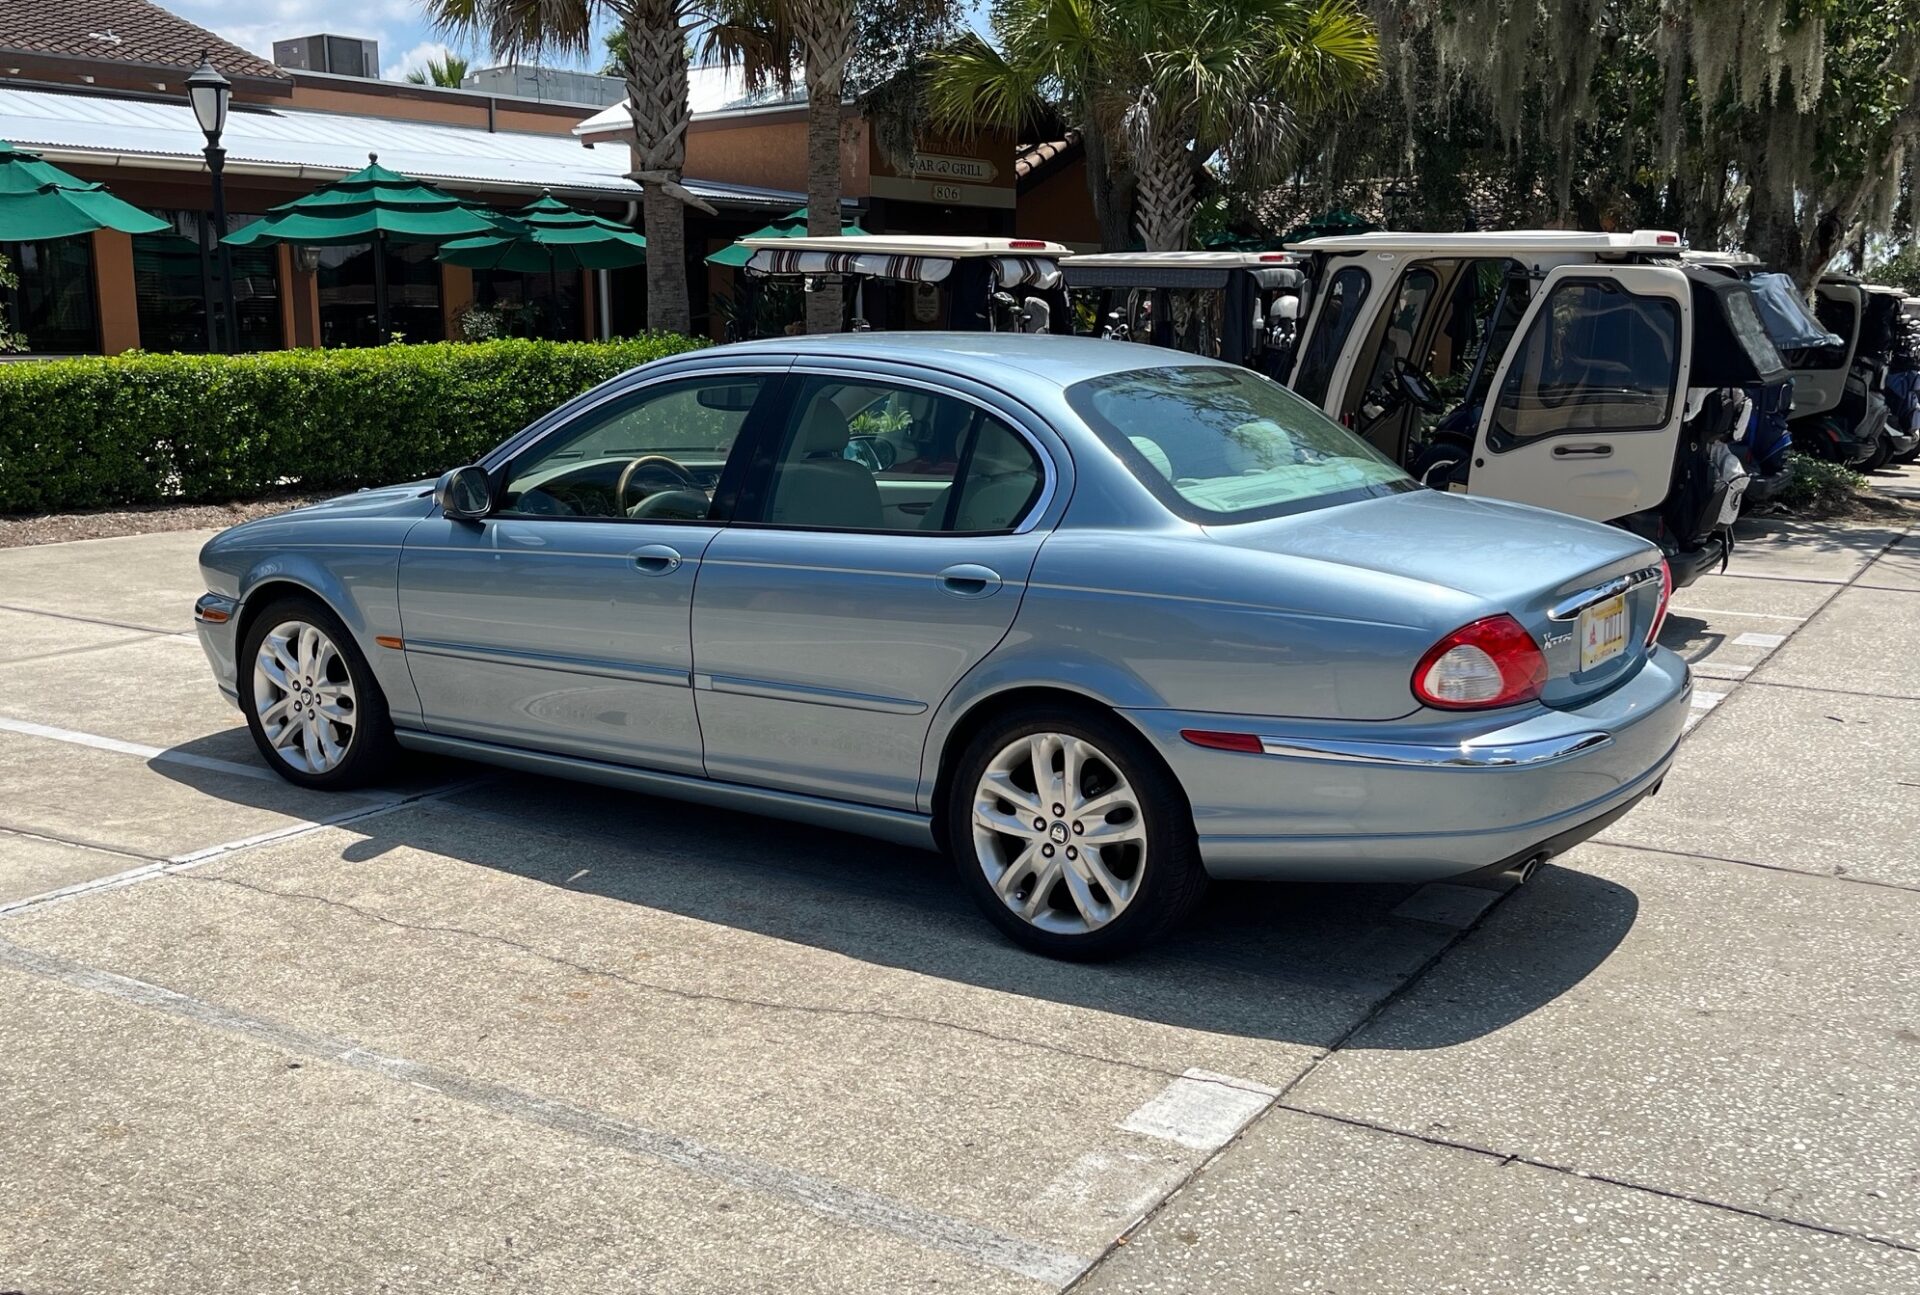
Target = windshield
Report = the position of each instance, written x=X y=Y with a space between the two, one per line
x=1217 y=443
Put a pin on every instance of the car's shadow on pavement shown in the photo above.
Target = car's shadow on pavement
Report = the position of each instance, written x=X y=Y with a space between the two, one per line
x=1298 y=963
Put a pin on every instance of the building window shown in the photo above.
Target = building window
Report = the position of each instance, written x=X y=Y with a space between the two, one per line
x=346 y=291
x=531 y=305
x=53 y=308
x=175 y=276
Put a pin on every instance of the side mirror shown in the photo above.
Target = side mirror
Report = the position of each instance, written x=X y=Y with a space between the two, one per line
x=464 y=494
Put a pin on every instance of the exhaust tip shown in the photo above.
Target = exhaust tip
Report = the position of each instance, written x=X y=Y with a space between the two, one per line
x=1521 y=873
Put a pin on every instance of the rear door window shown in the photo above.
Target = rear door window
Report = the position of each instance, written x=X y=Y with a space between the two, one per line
x=1596 y=359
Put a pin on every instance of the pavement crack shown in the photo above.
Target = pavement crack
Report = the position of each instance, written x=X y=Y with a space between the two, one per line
x=1613 y=842
x=676 y=992
x=1507 y=1158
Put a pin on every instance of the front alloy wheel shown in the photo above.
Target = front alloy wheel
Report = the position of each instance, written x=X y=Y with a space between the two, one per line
x=1058 y=833
x=304 y=697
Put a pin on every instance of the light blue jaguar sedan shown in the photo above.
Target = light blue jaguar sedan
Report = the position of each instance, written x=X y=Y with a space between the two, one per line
x=1101 y=621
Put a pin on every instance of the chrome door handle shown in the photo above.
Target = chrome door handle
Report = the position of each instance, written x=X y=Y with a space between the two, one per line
x=969 y=580
x=1582 y=451
x=656 y=559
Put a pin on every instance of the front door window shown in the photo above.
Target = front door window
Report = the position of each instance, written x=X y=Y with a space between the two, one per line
x=656 y=455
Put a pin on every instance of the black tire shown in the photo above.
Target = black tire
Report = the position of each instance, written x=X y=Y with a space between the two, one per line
x=1171 y=878
x=1909 y=456
x=370 y=748
x=1882 y=451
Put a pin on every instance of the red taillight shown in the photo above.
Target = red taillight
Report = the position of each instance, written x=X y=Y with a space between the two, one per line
x=1275 y=256
x=1222 y=741
x=1666 y=599
x=1028 y=244
x=1667 y=240
x=1492 y=662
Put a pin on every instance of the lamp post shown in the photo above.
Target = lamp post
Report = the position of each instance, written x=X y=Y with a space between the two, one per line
x=209 y=92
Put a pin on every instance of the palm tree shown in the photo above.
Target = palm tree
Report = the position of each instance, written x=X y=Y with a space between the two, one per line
x=654 y=37
x=772 y=40
x=1164 y=90
x=449 y=70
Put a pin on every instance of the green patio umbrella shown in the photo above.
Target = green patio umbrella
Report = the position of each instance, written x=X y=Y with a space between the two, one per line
x=791 y=225
x=38 y=200
x=373 y=205
x=549 y=236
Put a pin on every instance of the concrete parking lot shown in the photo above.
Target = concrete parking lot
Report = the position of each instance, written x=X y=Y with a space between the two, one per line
x=484 y=1031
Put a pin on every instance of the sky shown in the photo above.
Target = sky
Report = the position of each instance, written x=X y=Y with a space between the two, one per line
x=406 y=39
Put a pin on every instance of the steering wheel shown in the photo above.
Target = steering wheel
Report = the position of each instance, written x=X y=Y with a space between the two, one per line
x=1415 y=387
x=660 y=463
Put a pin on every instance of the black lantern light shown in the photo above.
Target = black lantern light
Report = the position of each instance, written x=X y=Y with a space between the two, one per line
x=209 y=93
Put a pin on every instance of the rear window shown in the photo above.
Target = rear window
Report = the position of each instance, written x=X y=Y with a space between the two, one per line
x=1216 y=443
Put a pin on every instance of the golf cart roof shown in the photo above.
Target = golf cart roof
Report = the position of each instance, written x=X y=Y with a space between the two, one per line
x=949 y=246
x=1184 y=260
x=1484 y=242
x=1883 y=289
x=1741 y=259
x=1134 y=270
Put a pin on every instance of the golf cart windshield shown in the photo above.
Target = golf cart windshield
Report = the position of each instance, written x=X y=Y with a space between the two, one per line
x=1784 y=312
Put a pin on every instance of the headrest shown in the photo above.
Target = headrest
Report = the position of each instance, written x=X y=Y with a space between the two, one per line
x=823 y=432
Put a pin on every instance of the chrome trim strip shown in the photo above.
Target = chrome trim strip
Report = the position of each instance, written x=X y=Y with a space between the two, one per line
x=1572 y=605
x=1462 y=755
x=210 y=602
x=549 y=661
x=898 y=826
x=808 y=695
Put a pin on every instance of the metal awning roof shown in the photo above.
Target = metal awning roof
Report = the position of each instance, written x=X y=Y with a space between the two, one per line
x=102 y=130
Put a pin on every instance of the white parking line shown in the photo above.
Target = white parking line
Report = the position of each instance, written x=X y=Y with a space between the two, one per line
x=1759 y=616
x=1768 y=641
x=194 y=858
x=28 y=728
x=981 y=1245
x=1201 y=1110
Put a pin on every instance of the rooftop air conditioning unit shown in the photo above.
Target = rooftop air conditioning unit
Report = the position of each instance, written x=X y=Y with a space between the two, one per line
x=339 y=55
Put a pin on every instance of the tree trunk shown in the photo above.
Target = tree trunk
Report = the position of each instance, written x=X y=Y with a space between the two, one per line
x=1111 y=188
x=657 y=97
x=827 y=42
x=1166 y=195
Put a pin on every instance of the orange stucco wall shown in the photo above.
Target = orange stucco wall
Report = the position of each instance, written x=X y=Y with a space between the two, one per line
x=1059 y=207
x=113 y=291
x=770 y=150
x=446 y=109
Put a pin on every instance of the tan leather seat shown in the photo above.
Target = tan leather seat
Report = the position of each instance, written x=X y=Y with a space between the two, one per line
x=816 y=485
x=1001 y=479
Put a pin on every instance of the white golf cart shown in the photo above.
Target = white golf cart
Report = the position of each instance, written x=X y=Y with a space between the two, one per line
x=1589 y=373
x=1839 y=410
x=923 y=281
x=1238 y=306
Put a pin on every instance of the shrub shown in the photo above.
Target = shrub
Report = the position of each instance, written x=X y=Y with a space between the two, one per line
x=1820 y=488
x=102 y=431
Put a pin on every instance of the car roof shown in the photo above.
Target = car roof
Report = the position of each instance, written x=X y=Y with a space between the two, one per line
x=1051 y=359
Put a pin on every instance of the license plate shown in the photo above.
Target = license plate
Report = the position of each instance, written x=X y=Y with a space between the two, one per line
x=1603 y=632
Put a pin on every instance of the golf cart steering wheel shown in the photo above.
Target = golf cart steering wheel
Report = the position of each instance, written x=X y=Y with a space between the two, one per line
x=1416 y=389
x=660 y=464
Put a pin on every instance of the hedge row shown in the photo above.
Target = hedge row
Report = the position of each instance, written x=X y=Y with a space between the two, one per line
x=137 y=428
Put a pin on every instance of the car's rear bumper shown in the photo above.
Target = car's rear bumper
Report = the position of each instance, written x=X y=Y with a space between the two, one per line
x=1422 y=800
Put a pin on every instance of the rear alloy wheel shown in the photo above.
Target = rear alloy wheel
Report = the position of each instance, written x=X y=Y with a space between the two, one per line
x=1072 y=836
x=310 y=699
